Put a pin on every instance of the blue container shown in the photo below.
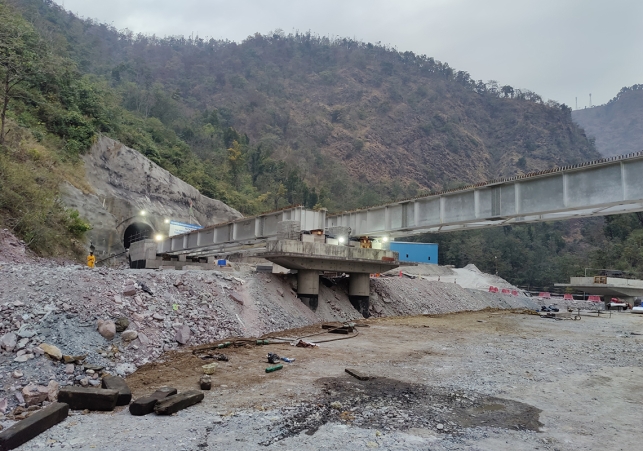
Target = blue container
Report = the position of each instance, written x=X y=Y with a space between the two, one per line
x=222 y=262
x=416 y=252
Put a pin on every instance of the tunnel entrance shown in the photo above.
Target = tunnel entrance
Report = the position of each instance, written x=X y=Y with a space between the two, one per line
x=136 y=232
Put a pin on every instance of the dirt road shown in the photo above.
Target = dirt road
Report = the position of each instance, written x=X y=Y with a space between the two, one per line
x=489 y=380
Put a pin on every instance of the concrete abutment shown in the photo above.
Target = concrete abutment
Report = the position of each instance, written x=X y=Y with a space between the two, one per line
x=359 y=289
x=308 y=287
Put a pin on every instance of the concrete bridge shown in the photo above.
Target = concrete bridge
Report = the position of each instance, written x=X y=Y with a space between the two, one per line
x=310 y=241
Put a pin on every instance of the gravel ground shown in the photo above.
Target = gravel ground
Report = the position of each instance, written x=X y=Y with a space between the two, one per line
x=470 y=381
x=487 y=380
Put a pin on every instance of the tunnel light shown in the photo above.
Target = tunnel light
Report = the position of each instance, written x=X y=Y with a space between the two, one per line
x=167 y=221
x=143 y=213
x=341 y=240
x=158 y=237
x=384 y=239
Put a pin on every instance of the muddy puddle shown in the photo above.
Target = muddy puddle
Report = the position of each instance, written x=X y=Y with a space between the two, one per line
x=388 y=404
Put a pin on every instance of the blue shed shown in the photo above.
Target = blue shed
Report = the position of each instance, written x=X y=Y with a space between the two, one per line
x=416 y=252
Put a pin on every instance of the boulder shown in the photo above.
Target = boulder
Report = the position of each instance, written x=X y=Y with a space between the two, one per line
x=106 y=328
x=129 y=335
x=9 y=341
x=23 y=358
x=143 y=339
x=52 y=391
x=25 y=332
x=51 y=350
x=129 y=290
x=183 y=334
x=35 y=394
x=122 y=324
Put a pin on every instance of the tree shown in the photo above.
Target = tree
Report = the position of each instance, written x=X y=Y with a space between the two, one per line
x=508 y=91
x=235 y=158
x=21 y=50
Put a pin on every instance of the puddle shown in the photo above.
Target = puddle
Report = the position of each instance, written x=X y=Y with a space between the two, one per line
x=388 y=404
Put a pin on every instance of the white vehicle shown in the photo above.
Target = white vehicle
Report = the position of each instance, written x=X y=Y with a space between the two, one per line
x=616 y=303
x=637 y=310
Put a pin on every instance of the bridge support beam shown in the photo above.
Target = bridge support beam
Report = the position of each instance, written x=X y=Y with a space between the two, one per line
x=308 y=287
x=359 y=290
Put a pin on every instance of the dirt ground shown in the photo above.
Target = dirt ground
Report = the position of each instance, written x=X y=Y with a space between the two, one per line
x=491 y=380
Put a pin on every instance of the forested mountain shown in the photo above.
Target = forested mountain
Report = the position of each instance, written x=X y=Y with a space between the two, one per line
x=278 y=120
x=338 y=123
x=616 y=126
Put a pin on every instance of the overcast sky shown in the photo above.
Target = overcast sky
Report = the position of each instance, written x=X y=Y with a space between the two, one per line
x=562 y=49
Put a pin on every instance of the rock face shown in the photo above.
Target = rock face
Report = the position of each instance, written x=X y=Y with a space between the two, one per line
x=124 y=183
x=618 y=125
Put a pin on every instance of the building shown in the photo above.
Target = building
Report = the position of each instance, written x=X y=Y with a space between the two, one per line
x=416 y=252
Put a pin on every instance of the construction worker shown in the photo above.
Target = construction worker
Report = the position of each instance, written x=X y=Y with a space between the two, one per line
x=91 y=260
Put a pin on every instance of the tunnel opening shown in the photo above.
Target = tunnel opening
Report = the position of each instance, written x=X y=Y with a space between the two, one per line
x=136 y=232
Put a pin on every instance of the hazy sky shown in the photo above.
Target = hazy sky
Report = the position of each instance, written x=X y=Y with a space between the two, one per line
x=562 y=49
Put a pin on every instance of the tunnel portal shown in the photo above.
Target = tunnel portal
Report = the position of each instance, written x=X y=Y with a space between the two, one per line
x=136 y=231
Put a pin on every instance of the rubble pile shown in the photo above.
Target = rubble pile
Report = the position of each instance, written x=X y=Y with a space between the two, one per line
x=63 y=324
x=12 y=249
x=394 y=296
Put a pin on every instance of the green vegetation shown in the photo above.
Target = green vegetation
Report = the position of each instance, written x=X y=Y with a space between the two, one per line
x=536 y=256
x=335 y=123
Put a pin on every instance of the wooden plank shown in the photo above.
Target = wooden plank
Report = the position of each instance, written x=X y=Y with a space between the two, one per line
x=144 y=405
x=34 y=425
x=174 y=403
x=88 y=398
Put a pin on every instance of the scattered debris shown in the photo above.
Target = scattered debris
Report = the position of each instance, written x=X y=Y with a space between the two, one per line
x=219 y=357
x=273 y=358
x=357 y=374
x=209 y=368
x=205 y=382
x=272 y=369
x=303 y=344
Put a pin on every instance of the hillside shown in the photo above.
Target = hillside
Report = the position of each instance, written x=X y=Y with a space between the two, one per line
x=279 y=120
x=338 y=123
x=618 y=125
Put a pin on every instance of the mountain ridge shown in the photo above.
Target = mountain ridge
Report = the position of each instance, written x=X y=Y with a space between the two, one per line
x=616 y=126
x=350 y=123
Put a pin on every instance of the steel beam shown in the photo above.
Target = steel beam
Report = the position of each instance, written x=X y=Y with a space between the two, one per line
x=604 y=187
x=239 y=234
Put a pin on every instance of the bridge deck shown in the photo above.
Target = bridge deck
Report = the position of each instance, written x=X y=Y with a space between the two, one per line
x=597 y=188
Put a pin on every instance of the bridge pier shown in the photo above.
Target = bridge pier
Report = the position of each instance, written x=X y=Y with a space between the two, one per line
x=359 y=290
x=308 y=287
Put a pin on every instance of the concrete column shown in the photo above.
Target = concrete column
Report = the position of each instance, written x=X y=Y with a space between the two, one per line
x=359 y=290
x=308 y=287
